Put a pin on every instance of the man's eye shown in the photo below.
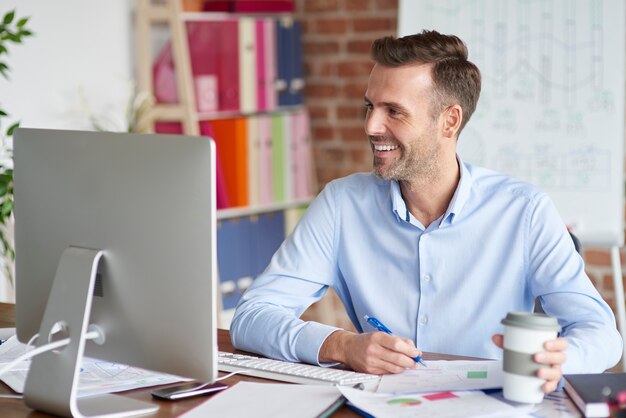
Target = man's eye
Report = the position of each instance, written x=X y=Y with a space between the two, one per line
x=393 y=112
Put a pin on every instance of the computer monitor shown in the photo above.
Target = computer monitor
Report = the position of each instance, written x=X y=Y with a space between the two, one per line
x=136 y=212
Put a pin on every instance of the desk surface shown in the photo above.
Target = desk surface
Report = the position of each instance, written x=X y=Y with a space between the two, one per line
x=13 y=408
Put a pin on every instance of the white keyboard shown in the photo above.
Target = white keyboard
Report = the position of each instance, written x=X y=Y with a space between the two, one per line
x=293 y=372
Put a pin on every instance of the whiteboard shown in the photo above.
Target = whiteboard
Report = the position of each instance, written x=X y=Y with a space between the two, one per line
x=551 y=111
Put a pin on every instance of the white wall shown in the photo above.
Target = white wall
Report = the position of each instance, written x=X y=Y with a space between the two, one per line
x=80 y=47
x=81 y=52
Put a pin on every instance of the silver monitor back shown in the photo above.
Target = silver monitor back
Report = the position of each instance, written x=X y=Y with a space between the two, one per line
x=148 y=201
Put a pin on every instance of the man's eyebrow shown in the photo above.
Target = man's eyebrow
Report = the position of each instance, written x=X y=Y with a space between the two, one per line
x=393 y=105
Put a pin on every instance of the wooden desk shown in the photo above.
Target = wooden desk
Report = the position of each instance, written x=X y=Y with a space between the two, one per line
x=14 y=408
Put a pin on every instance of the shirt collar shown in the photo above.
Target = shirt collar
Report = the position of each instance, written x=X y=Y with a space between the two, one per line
x=461 y=194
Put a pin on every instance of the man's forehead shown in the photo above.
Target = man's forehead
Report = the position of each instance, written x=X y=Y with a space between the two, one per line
x=414 y=78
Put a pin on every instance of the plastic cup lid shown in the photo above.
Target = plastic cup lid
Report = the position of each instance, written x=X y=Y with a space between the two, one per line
x=531 y=320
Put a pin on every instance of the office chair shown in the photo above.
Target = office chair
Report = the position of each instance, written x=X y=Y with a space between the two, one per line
x=579 y=250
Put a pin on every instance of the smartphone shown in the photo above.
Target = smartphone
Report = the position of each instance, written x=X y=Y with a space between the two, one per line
x=187 y=390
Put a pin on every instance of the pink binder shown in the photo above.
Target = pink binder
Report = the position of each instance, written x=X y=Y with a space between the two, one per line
x=271 y=99
x=266 y=189
x=302 y=155
x=259 y=27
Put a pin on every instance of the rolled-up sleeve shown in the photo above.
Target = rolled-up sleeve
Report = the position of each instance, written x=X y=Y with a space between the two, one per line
x=267 y=318
x=558 y=277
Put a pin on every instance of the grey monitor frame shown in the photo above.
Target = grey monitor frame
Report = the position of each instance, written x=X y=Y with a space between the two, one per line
x=128 y=218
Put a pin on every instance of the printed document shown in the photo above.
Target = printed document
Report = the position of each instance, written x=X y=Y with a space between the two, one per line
x=96 y=376
x=445 y=375
x=435 y=404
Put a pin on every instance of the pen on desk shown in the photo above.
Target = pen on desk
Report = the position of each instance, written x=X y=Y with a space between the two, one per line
x=381 y=327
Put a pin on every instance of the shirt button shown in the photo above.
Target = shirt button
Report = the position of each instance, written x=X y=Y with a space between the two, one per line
x=424 y=320
x=427 y=277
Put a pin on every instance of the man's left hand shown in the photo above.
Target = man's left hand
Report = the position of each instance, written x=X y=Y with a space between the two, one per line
x=553 y=356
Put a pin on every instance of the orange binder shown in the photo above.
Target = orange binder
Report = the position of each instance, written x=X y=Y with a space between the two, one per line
x=231 y=139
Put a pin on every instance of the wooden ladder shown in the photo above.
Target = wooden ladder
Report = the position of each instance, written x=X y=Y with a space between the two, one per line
x=169 y=12
x=160 y=12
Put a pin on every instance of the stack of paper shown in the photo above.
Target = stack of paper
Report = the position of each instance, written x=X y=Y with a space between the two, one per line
x=247 y=399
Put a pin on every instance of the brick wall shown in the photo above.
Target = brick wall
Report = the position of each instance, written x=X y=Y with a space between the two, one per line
x=337 y=35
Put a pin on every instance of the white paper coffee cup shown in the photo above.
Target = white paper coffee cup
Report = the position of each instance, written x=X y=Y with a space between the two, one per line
x=524 y=335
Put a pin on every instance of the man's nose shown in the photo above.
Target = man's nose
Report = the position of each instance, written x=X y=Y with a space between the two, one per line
x=374 y=123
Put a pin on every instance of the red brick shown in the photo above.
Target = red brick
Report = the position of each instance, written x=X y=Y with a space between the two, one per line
x=352 y=133
x=357 y=5
x=349 y=112
x=610 y=300
x=331 y=155
x=608 y=284
x=320 y=47
x=307 y=26
x=359 y=46
x=317 y=90
x=598 y=257
x=327 y=175
x=320 y=5
x=329 y=26
x=354 y=91
x=323 y=68
x=372 y=24
x=318 y=112
x=322 y=133
x=354 y=68
x=386 y=5
x=361 y=156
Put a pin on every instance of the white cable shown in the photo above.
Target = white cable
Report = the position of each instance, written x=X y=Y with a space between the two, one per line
x=232 y=374
x=216 y=380
x=45 y=348
x=31 y=341
x=34 y=352
x=6 y=395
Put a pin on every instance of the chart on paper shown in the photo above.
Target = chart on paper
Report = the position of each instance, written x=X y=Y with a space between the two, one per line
x=445 y=376
x=436 y=404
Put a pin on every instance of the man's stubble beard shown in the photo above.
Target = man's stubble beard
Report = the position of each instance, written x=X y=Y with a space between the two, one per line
x=417 y=164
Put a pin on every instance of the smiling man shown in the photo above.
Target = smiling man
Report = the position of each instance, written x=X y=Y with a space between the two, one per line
x=437 y=249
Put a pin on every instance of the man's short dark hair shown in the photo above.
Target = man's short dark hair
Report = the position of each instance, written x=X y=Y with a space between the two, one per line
x=457 y=80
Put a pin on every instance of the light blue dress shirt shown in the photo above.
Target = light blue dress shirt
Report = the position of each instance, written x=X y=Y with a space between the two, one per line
x=447 y=286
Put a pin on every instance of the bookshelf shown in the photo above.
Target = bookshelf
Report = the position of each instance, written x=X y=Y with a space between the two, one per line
x=237 y=78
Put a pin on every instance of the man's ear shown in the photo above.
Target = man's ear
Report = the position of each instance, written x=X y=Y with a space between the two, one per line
x=452 y=118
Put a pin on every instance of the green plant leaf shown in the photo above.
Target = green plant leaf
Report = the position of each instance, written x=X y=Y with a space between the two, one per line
x=6 y=178
x=3 y=113
x=4 y=72
x=14 y=37
x=22 y=22
x=8 y=18
x=12 y=128
x=7 y=207
x=3 y=50
x=3 y=189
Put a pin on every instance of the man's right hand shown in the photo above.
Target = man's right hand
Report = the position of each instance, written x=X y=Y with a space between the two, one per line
x=374 y=352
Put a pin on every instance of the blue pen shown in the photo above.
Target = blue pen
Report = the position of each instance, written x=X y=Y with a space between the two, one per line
x=381 y=327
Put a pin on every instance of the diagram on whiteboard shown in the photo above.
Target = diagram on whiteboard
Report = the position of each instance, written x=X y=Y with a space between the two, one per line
x=551 y=110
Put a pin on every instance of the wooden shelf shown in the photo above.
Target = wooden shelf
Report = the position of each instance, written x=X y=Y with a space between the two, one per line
x=238 y=212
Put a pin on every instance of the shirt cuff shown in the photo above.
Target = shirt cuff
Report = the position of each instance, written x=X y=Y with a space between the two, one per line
x=310 y=342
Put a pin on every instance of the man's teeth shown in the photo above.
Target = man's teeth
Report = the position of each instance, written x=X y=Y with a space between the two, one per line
x=385 y=147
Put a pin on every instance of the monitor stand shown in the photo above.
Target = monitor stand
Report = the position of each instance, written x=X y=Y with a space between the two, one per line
x=52 y=382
